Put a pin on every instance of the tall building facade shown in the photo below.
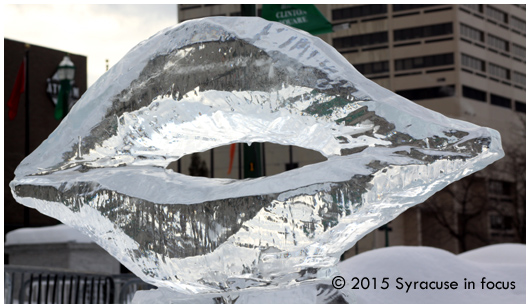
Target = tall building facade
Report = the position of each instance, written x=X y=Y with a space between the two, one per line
x=464 y=61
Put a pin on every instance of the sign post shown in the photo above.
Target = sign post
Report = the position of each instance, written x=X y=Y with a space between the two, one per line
x=252 y=158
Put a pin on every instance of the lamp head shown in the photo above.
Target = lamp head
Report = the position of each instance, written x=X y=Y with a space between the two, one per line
x=66 y=69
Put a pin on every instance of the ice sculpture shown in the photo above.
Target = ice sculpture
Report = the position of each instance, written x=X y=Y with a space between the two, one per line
x=216 y=81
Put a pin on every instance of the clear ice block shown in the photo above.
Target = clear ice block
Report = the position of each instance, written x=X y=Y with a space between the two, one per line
x=217 y=81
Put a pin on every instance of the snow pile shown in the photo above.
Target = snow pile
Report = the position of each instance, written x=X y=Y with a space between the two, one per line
x=43 y=235
x=500 y=253
x=430 y=275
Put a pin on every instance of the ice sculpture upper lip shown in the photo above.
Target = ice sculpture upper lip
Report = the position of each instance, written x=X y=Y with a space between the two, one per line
x=130 y=129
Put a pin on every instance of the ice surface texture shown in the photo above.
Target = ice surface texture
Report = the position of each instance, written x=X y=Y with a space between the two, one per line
x=216 y=81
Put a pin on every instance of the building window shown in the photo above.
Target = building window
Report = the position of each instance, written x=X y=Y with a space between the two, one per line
x=520 y=107
x=473 y=93
x=496 y=14
x=500 y=222
x=476 y=7
x=498 y=43
x=421 y=32
x=519 y=51
x=425 y=61
x=372 y=68
x=473 y=63
x=501 y=101
x=499 y=71
x=519 y=78
x=428 y=93
x=403 y=7
x=361 y=40
x=518 y=24
x=358 y=11
x=500 y=188
x=471 y=33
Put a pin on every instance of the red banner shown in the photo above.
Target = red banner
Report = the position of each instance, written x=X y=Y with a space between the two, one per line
x=18 y=89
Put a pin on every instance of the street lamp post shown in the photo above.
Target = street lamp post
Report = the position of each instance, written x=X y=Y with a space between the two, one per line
x=65 y=73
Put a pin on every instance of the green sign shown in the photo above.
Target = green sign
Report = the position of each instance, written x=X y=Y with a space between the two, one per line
x=302 y=16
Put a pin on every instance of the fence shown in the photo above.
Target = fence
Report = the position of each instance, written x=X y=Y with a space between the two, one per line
x=32 y=285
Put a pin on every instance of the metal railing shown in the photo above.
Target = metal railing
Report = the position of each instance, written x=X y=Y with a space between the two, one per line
x=129 y=287
x=37 y=285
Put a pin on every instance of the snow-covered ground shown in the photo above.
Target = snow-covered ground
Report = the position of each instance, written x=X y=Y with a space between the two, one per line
x=497 y=271
x=43 y=235
x=502 y=267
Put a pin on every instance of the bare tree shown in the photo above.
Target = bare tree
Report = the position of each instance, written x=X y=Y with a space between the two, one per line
x=514 y=166
x=464 y=208
x=459 y=209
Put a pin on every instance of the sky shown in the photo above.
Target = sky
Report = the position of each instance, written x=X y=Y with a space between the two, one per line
x=99 y=32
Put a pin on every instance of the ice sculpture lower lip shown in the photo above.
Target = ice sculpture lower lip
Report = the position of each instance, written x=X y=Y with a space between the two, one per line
x=217 y=81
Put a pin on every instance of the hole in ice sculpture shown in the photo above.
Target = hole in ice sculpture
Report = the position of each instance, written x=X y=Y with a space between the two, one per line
x=275 y=159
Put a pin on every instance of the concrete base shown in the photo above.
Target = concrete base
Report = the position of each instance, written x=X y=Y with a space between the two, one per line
x=88 y=257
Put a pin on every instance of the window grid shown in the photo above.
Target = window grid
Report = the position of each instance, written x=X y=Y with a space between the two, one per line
x=425 y=61
x=473 y=93
x=360 y=40
x=476 y=7
x=498 y=43
x=471 y=33
x=358 y=11
x=519 y=51
x=496 y=14
x=500 y=101
x=473 y=63
x=519 y=78
x=421 y=32
x=372 y=67
x=499 y=71
x=518 y=23
x=403 y=7
x=428 y=93
x=497 y=100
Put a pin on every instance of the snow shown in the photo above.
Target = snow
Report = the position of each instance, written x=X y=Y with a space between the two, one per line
x=500 y=253
x=504 y=263
x=43 y=235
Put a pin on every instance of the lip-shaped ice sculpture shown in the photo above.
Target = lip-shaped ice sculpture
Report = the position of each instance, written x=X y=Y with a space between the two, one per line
x=216 y=81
